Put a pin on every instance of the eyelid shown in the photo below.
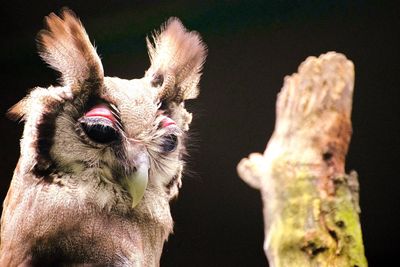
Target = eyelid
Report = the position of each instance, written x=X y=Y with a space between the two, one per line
x=86 y=124
x=166 y=121
x=171 y=129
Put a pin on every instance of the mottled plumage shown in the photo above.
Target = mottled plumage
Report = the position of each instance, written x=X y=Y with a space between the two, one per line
x=101 y=157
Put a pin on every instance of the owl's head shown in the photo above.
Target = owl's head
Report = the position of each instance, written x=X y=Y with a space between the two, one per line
x=115 y=137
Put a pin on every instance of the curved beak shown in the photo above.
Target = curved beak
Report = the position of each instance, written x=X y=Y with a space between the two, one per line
x=136 y=182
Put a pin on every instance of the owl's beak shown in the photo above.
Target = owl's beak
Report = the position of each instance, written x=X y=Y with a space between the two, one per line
x=136 y=182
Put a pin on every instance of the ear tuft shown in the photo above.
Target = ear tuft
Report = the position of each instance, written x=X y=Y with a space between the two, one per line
x=178 y=56
x=66 y=47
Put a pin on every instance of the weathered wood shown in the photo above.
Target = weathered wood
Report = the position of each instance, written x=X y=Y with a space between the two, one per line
x=310 y=204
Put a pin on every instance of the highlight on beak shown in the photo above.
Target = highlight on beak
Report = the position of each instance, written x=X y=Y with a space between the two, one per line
x=136 y=182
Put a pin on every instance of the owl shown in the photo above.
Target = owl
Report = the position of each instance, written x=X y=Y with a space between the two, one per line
x=101 y=157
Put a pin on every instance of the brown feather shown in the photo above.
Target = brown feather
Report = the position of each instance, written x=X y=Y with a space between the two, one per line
x=17 y=111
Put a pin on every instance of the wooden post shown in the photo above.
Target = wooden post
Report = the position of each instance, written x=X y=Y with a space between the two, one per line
x=310 y=203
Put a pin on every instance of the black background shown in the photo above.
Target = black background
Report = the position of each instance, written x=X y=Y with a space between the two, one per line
x=252 y=46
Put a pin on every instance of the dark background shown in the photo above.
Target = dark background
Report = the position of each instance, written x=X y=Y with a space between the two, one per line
x=252 y=46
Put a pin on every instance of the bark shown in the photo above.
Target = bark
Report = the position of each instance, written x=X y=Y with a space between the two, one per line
x=310 y=204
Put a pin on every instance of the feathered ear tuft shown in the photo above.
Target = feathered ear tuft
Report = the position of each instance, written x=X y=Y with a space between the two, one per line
x=177 y=58
x=66 y=47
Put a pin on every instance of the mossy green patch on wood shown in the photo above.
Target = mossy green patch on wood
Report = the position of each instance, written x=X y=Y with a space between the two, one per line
x=310 y=229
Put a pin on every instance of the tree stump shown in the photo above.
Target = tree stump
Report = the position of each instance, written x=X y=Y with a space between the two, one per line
x=310 y=204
